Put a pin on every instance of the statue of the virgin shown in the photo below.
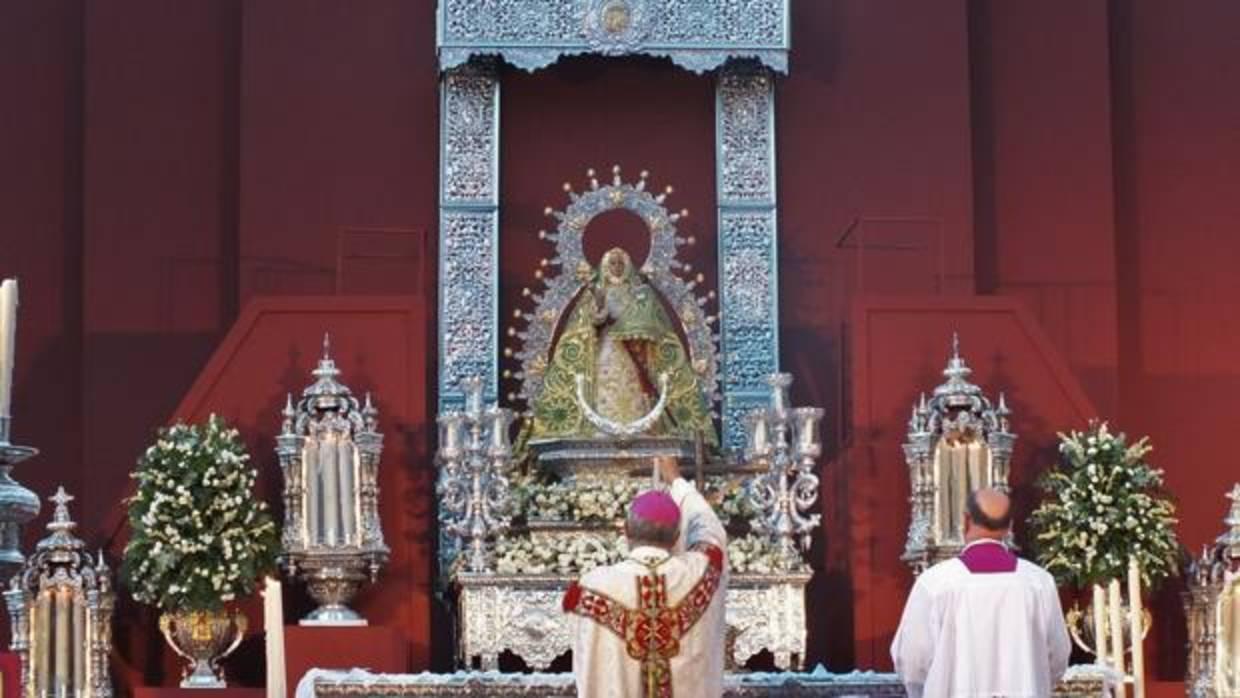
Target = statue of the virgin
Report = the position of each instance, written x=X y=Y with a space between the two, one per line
x=619 y=339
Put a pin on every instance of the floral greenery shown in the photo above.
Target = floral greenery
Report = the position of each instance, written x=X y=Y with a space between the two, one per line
x=609 y=501
x=557 y=555
x=559 y=501
x=730 y=500
x=200 y=537
x=1104 y=504
x=757 y=555
x=579 y=554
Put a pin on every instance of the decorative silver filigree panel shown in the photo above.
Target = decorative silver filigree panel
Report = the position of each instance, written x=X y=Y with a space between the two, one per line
x=522 y=614
x=468 y=230
x=698 y=35
x=748 y=283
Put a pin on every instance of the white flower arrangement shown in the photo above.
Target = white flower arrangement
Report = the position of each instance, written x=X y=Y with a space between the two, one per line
x=199 y=537
x=755 y=554
x=561 y=556
x=750 y=554
x=730 y=500
x=1104 y=504
x=608 y=500
x=560 y=501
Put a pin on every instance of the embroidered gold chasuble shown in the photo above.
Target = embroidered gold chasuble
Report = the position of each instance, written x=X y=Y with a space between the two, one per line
x=653 y=625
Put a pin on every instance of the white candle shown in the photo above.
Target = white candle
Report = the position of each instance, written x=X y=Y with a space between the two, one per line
x=1100 y=634
x=8 y=342
x=1114 y=597
x=312 y=492
x=41 y=652
x=1137 y=626
x=80 y=649
x=1235 y=633
x=63 y=671
x=329 y=470
x=273 y=625
x=345 y=464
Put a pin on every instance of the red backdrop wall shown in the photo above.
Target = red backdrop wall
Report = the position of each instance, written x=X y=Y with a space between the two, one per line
x=163 y=164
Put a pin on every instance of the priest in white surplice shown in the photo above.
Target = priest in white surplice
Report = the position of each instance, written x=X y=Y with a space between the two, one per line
x=652 y=626
x=986 y=623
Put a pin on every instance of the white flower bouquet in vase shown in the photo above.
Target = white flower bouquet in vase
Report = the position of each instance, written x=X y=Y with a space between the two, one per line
x=1106 y=518
x=199 y=540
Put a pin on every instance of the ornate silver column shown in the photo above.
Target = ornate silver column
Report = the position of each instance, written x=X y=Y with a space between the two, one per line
x=468 y=229
x=329 y=449
x=957 y=442
x=786 y=443
x=60 y=614
x=748 y=259
x=475 y=454
x=18 y=505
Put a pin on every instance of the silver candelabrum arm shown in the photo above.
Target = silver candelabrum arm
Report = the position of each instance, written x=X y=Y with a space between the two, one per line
x=786 y=442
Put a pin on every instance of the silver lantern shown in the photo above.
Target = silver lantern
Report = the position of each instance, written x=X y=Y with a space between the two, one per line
x=785 y=442
x=1212 y=608
x=957 y=442
x=329 y=450
x=60 y=614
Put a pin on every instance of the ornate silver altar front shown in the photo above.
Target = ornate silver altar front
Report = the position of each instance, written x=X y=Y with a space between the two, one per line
x=329 y=450
x=521 y=614
x=746 y=42
x=957 y=442
x=60 y=615
x=1212 y=607
x=1082 y=681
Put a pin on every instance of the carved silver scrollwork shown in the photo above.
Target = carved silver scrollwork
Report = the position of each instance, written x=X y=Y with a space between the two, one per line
x=521 y=614
x=785 y=442
x=698 y=35
x=474 y=455
x=468 y=229
x=748 y=290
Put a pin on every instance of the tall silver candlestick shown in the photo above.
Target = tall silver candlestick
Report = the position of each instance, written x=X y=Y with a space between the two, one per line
x=475 y=454
x=18 y=505
x=786 y=443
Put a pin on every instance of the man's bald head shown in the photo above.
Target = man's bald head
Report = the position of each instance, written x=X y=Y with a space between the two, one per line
x=990 y=513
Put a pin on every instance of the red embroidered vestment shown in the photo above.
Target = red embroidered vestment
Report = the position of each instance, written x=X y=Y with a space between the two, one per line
x=652 y=631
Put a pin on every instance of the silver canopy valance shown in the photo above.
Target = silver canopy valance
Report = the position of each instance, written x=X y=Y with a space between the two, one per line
x=698 y=35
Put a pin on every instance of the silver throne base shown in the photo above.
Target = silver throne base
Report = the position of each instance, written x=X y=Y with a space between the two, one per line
x=607 y=456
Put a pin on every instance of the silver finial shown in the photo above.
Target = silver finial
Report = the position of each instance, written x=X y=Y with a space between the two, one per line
x=61 y=499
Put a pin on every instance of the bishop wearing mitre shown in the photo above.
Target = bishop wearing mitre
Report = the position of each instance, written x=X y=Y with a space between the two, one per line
x=652 y=625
